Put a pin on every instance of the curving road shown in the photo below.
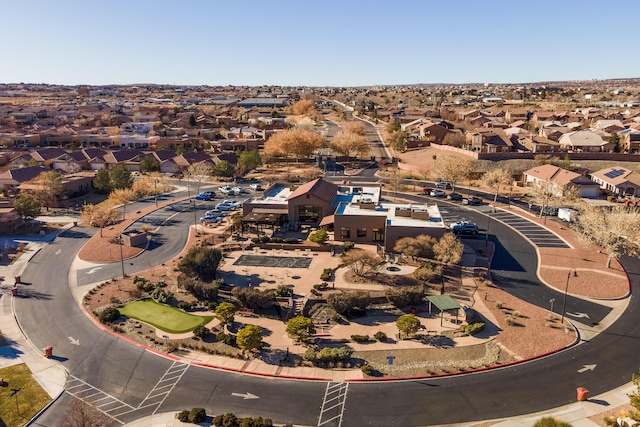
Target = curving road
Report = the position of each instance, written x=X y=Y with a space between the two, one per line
x=134 y=382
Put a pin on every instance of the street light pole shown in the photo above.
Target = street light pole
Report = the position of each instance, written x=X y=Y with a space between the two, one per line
x=486 y=235
x=566 y=290
x=121 y=254
x=155 y=190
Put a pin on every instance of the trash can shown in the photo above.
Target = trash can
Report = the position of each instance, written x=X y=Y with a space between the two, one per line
x=48 y=352
x=14 y=291
x=583 y=394
x=17 y=279
x=75 y=223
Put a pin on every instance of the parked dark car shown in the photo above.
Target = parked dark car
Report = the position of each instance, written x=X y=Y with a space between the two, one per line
x=443 y=184
x=465 y=227
x=454 y=196
x=473 y=200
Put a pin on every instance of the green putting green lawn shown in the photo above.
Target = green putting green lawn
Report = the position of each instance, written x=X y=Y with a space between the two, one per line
x=163 y=317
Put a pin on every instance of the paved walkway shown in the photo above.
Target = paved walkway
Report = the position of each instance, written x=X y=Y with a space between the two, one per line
x=52 y=376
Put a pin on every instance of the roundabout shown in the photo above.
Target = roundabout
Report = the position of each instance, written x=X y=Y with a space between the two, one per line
x=110 y=364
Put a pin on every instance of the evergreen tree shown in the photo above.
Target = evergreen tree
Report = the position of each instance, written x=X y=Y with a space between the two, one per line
x=120 y=177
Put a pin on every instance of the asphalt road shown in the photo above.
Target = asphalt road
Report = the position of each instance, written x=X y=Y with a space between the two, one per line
x=49 y=316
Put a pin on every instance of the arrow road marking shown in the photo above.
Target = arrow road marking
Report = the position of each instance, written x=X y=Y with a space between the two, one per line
x=586 y=368
x=74 y=341
x=245 y=395
x=58 y=252
x=585 y=315
x=93 y=270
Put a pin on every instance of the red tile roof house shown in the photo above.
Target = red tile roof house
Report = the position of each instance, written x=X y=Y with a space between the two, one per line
x=618 y=180
x=561 y=180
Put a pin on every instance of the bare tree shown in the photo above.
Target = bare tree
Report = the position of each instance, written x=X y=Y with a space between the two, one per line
x=199 y=172
x=296 y=142
x=616 y=231
x=543 y=193
x=82 y=414
x=48 y=187
x=348 y=143
x=361 y=262
x=419 y=246
x=496 y=178
x=448 y=250
x=455 y=168
x=99 y=216
x=394 y=182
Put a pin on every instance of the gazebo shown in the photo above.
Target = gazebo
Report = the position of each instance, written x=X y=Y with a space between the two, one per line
x=443 y=303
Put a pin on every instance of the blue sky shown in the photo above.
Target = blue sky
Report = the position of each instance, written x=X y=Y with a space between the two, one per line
x=316 y=43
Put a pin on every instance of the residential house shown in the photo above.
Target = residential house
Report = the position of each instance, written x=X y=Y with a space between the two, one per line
x=559 y=180
x=189 y=158
x=584 y=141
x=630 y=141
x=130 y=158
x=609 y=126
x=517 y=114
x=488 y=141
x=554 y=132
x=10 y=220
x=11 y=179
x=537 y=144
x=241 y=144
x=618 y=180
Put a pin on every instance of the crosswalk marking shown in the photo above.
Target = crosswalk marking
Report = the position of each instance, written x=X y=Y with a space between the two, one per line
x=333 y=405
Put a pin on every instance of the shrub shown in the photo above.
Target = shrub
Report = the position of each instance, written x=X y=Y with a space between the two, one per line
x=109 y=315
x=254 y=298
x=184 y=305
x=550 y=422
x=321 y=286
x=329 y=354
x=183 y=416
x=499 y=304
x=367 y=369
x=360 y=338
x=199 y=289
x=315 y=292
x=345 y=302
x=201 y=331
x=326 y=274
x=310 y=355
x=197 y=415
x=404 y=297
x=474 y=328
x=277 y=240
x=226 y=420
x=201 y=262
x=291 y=240
x=283 y=291
x=380 y=336
x=265 y=239
x=321 y=236
x=161 y=295
x=228 y=339
x=510 y=320
x=347 y=246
